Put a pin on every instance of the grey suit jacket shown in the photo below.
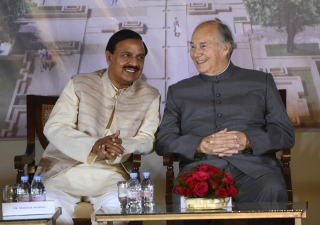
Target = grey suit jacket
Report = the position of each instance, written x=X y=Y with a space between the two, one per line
x=238 y=99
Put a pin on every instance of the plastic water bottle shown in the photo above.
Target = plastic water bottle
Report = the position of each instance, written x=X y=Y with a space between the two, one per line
x=24 y=190
x=38 y=191
x=147 y=193
x=134 y=194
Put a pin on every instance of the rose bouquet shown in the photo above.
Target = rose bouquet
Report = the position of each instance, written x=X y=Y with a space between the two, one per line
x=206 y=181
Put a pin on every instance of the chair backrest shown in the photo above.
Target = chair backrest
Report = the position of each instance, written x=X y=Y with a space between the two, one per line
x=286 y=155
x=168 y=160
x=38 y=111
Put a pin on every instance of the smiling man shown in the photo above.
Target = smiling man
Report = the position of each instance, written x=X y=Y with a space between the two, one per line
x=98 y=121
x=228 y=117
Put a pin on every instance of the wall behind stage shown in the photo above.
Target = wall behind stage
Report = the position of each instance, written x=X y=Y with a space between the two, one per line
x=76 y=32
x=305 y=165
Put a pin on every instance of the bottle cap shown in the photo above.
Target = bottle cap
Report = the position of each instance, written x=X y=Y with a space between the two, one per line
x=37 y=178
x=133 y=175
x=24 y=178
x=146 y=174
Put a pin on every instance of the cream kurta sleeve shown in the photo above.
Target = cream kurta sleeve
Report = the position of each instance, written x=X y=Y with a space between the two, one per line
x=61 y=131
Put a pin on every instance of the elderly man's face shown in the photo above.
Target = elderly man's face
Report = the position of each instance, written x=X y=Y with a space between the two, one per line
x=208 y=55
x=126 y=63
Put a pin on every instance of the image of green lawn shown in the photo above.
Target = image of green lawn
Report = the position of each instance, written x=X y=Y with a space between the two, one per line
x=301 y=49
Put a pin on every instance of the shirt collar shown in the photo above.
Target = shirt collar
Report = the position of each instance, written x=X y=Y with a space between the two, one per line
x=221 y=76
x=106 y=80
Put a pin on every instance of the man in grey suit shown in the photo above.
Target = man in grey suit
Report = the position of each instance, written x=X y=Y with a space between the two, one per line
x=229 y=117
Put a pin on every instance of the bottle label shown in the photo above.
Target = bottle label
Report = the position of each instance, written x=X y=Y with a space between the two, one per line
x=38 y=198
x=133 y=194
x=24 y=198
x=147 y=194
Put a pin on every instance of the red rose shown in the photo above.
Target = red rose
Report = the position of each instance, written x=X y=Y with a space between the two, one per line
x=213 y=170
x=203 y=167
x=198 y=181
x=232 y=191
x=200 y=189
x=227 y=179
x=200 y=176
x=178 y=189
x=187 y=192
x=188 y=174
x=191 y=182
x=221 y=193
x=215 y=183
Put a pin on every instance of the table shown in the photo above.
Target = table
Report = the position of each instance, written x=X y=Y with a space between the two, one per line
x=43 y=219
x=237 y=211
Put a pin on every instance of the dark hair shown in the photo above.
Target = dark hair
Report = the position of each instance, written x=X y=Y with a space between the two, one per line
x=121 y=36
x=224 y=33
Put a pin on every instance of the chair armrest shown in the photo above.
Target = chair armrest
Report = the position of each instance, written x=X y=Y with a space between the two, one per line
x=168 y=159
x=133 y=164
x=286 y=157
x=286 y=171
x=21 y=160
x=136 y=161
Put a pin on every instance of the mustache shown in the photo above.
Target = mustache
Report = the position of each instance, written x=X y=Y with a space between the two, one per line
x=131 y=67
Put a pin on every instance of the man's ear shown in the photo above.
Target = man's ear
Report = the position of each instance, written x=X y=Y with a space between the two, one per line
x=226 y=48
x=108 y=57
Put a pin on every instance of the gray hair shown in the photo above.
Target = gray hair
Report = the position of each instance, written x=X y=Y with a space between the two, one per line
x=224 y=33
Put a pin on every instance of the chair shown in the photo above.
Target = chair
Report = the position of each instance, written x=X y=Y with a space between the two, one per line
x=38 y=111
x=285 y=156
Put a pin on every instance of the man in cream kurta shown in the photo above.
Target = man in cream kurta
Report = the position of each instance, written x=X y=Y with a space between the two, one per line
x=98 y=121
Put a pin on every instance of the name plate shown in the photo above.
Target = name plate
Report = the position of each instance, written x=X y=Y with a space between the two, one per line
x=27 y=208
x=183 y=204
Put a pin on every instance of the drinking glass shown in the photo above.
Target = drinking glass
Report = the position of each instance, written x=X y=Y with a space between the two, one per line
x=122 y=194
x=10 y=193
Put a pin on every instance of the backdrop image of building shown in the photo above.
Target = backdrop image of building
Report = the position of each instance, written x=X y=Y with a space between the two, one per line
x=76 y=32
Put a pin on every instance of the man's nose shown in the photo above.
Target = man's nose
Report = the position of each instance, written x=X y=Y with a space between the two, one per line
x=197 y=52
x=133 y=61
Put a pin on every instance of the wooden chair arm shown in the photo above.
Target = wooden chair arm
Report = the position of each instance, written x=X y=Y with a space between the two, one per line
x=21 y=160
x=286 y=171
x=136 y=160
x=286 y=157
x=26 y=159
x=168 y=160
x=133 y=163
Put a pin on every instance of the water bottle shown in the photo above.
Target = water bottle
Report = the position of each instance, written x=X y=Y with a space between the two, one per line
x=134 y=194
x=38 y=191
x=147 y=193
x=24 y=190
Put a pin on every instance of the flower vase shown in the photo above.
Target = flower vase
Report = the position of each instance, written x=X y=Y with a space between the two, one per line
x=206 y=203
